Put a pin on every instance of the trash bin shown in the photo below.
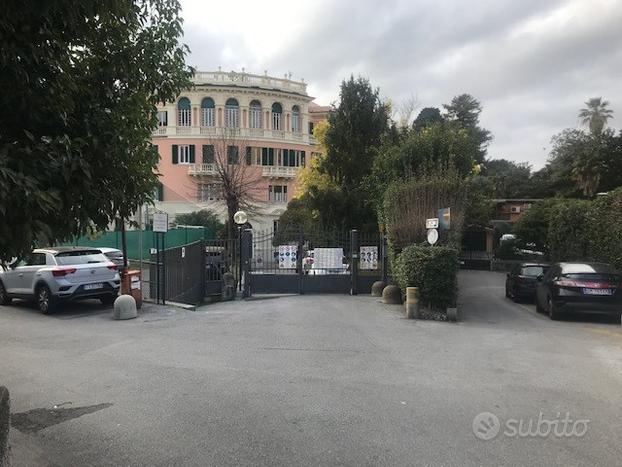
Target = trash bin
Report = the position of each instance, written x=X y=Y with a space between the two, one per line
x=130 y=285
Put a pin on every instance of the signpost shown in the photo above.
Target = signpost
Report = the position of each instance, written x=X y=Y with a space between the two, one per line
x=432 y=236
x=431 y=223
x=160 y=227
x=444 y=216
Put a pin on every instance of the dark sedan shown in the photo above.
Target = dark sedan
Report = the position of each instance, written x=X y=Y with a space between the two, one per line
x=522 y=279
x=581 y=288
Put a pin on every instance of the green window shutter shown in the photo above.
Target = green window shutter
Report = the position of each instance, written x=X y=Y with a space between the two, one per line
x=175 y=154
x=160 y=193
x=302 y=158
x=248 y=155
x=264 y=156
x=271 y=156
x=285 y=157
x=192 y=153
x=208 y=154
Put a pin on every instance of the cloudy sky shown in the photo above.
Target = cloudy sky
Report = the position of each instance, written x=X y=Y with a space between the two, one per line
x=532 y=63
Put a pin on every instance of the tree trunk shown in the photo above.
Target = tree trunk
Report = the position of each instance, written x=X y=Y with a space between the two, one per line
x=123 y=244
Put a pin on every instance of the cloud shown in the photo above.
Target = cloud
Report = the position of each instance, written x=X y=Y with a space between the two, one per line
x=532 y=63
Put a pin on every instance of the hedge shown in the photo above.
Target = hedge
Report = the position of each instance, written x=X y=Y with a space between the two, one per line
x=433 y=269
x=575 y=230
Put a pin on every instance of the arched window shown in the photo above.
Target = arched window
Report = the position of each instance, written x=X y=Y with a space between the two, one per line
x=296 y=119
x=277 y=116
x=232 y=113
x=207 y=112
x=254 y=114
x=183 y=112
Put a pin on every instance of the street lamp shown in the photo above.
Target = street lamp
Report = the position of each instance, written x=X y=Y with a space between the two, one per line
x=240 y=218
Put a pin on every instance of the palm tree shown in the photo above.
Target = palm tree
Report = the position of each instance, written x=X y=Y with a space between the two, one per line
x=596 y=114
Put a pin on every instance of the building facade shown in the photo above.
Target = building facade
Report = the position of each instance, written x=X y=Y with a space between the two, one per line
x=260 y=125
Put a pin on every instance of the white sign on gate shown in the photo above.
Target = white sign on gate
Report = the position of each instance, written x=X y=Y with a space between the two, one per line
x=160 y=222
x=369 y=257
x=288 y=255
x=328 y=258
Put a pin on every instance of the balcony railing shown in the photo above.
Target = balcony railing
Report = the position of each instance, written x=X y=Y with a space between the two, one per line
x=202 y=169
x=249 y=80
x=239 y=133
x=274 y=171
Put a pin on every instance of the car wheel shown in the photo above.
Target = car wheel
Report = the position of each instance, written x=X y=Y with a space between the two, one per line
x=554 y=313
x=44 y=299
x=4 y=297
x=108 y=300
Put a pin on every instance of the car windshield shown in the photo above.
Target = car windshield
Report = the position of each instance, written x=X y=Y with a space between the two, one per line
x=80 y=257
x=534 y=271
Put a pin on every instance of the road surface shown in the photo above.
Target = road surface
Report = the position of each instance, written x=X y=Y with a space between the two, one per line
x=313 y=380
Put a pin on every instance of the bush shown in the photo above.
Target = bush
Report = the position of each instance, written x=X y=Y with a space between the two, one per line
x=433 y=269
x=568 y=231
x=604 y=221
x=408 y=203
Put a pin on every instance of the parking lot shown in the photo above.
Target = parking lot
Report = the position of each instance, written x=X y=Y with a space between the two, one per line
x=310 y=380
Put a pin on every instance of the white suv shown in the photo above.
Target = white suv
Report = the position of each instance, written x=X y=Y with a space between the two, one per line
x=50 y=275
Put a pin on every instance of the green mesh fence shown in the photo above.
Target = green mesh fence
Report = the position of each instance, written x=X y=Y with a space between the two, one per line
x=174 y=237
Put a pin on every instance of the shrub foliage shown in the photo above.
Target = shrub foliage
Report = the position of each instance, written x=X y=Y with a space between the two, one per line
x=433 y=269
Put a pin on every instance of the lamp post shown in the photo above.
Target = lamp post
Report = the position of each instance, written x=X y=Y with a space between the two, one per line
x=240 y=218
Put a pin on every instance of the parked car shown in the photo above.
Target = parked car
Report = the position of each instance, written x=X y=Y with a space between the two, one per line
x=579 y=287
x=114 y=255
x=521 y=281
x=49 y=275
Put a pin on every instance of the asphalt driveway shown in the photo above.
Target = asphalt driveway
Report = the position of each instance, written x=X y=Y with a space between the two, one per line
x=312 y=380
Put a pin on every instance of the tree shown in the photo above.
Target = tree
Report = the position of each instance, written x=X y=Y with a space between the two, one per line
x=405 y=110
x=437 y=146
x=356 y=128
x=84 y=81
x=508 y=179
x=464 y=111
x=204 y=218
x=595 y=115
x=332 y=191
x=232 y=174
x=427 y=117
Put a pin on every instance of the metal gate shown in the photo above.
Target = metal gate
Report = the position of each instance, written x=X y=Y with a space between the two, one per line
x=177 y=274
x=294 y=262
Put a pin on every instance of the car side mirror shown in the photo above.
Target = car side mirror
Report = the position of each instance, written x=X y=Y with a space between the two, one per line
x=13 y=265
x=539 y=278
x=507 y=275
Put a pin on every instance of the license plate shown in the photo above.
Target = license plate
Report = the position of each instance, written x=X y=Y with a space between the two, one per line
x=597 y=291
x=93 y=286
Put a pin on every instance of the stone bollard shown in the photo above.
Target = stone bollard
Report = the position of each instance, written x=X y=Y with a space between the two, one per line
x=228 y=286
x=124 y=307
x=452 y=314
x=377 y=288
x=392 y=295
x=5 y=416
x=412 y=302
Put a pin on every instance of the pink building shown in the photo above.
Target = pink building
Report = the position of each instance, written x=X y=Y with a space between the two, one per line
x=261 y=125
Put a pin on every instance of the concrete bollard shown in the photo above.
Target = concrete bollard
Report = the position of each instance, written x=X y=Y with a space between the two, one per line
x=5 y=419
x=412 y=302
x=124 y=307
x=377 y=288
x=392 y=295
x=452 y=314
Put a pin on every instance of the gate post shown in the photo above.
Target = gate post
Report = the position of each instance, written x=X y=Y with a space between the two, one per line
x=301 y=274
x=354 y=261
x=247 y=253
x=384 y=248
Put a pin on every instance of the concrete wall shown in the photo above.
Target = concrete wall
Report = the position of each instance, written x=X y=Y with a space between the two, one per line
x=4 y=426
